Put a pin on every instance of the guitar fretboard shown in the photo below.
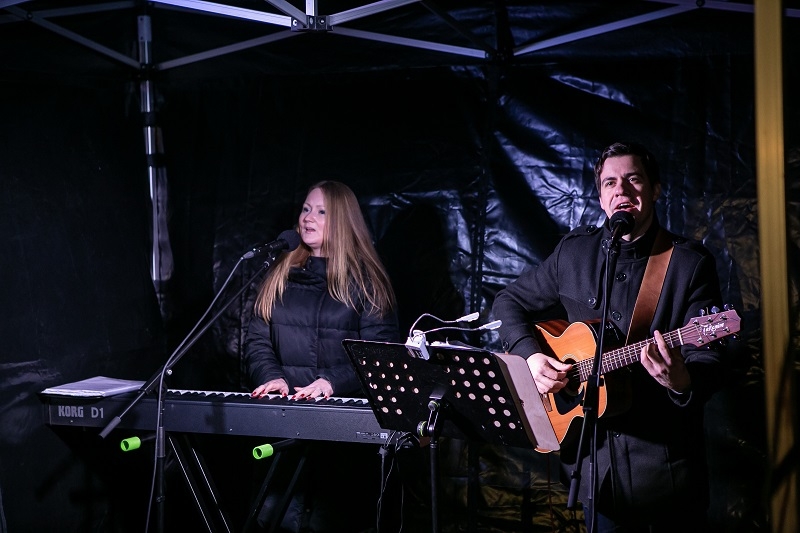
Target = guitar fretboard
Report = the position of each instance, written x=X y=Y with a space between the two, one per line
x=698 y=331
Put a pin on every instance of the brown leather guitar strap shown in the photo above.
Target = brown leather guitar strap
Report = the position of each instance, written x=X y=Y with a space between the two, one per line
x=650 y=291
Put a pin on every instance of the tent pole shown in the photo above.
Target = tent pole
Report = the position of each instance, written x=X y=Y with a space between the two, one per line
x=779 y=375
x=161 y=253
x=161 y=262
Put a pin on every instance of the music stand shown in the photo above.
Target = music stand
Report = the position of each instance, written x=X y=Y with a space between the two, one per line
x=463 y=393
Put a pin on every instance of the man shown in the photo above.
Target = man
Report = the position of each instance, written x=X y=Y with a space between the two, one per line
x=651 y=466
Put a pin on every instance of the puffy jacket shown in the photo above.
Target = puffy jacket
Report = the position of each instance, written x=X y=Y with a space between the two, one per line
x=303 y=340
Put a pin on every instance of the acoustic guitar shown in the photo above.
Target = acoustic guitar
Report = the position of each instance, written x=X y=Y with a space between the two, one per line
x=576 y=343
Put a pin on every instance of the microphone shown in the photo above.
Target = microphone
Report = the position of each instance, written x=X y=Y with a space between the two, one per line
x=288 y=240
x=621 y=223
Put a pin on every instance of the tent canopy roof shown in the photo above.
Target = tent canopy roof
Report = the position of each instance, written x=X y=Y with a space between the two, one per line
x=191 y=39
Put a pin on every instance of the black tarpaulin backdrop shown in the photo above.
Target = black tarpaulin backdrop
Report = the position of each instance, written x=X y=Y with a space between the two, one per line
x=467 y=171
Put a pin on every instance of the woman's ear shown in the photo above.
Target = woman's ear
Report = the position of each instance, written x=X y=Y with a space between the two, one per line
x=656 y=192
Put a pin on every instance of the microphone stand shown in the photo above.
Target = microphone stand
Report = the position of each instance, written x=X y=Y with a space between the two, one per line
x=591 y=395
x=165 y=370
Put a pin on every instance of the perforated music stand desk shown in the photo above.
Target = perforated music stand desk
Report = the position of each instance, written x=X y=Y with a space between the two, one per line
x=463 y=393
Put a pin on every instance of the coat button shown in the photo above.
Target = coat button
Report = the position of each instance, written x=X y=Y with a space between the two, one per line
x=616 y=315
x=622 y=276
x=617 y=434
x=592 y=301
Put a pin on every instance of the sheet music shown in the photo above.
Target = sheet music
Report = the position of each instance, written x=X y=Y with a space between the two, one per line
x=96 y=387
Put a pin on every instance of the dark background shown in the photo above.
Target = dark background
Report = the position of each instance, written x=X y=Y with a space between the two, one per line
x=467 y=168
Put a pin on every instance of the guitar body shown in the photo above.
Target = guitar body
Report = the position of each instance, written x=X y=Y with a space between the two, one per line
x=573 y=343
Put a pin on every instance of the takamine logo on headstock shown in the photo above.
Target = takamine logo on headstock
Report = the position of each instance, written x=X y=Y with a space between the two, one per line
x=714 y=326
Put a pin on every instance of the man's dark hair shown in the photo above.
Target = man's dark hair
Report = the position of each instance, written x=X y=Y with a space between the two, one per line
x=628 y=148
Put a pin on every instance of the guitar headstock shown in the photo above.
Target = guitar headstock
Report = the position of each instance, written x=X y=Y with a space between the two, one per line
x=713 y=326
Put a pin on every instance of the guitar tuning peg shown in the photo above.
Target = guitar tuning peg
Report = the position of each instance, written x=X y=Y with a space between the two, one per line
x=703 y=311
x=715 y=309
x=728 y=307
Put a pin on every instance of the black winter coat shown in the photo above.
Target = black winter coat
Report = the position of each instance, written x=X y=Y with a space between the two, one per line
x=303 y=340
x=651 y=458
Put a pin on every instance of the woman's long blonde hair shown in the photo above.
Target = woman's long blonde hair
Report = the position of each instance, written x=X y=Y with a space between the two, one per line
x=355 y=272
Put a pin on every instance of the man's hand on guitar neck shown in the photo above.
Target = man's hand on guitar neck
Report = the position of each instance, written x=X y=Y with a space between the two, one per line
x=549 y=373
x=666 y=365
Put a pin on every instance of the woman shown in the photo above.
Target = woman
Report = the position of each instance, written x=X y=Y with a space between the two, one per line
x=332 y=287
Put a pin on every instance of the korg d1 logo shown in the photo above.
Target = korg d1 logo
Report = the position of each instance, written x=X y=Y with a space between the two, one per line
x=77 y=411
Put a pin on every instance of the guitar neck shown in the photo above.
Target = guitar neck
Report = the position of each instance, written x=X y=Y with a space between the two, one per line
x=631 y=353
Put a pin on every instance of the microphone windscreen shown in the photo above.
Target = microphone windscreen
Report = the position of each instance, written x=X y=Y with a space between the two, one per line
x=622 y=220
x=292 y=239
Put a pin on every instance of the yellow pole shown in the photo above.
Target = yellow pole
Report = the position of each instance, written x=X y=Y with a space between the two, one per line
x=778 y=366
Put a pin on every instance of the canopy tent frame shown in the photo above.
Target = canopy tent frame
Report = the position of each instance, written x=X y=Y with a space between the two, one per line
x=295 y=22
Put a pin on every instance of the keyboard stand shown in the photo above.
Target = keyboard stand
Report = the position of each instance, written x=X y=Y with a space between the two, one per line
x=198 y=482
x=280 y=456
x=193 y=469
